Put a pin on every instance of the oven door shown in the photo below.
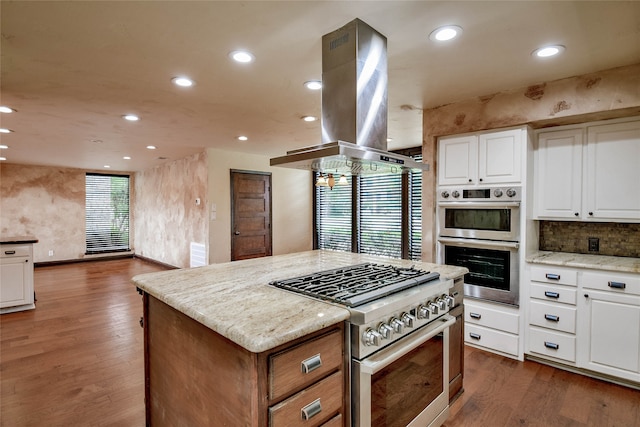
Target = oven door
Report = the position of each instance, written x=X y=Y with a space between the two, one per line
x=407 y=383
x=493 y=267
x=491 y=221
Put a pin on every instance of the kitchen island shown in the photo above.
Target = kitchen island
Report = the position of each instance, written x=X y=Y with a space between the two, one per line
x=219 y=341
x=16 y=274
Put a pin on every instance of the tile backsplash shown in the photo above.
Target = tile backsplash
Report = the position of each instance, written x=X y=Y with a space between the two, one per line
x=616 y=239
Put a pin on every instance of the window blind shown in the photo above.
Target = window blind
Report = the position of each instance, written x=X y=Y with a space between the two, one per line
x=415 y=213
x=333 y=217
x=107 y=213
x=380 y=207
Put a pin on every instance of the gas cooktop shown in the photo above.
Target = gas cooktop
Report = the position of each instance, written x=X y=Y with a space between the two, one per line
x=357 y=284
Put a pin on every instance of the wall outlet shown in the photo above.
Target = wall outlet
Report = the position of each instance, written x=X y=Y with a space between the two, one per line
x=50 y=252
x=594 y=244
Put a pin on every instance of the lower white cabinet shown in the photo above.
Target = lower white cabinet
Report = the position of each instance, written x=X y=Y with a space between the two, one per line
x=588 y=320
x=492 y=326
x=16 y=278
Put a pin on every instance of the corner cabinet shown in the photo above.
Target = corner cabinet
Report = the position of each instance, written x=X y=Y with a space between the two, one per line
x=481 y=158
x=588 y=173
x=194 y=376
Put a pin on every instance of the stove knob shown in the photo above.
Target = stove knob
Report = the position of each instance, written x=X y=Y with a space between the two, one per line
x=423 y=312
x=397 y=325
x=451 y=302
x=408 y=319
x=371 y=337
x=442 y=304
x=433 y=307
x=511 y=192
x=455 y=194
x=385 y=330
x=497 y=192
x=445 y=194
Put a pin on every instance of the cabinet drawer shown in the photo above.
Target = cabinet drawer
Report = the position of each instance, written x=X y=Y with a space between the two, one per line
x=491 y=338
x=553 y=316
x=553 y=274
x=612 y=281
x=554 y=293
x=552 y=344
x=491 y=318
x=304 y=364
x=319 y=402
x=11 y=251
x=334 y=422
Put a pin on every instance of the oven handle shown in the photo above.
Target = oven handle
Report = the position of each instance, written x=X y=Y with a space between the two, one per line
x=379 y=361
x=495 y=205
x=479 y=243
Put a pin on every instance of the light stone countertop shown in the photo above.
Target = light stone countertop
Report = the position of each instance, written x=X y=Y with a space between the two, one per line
x=235 y=300
x=11 y=240
x=596 y=262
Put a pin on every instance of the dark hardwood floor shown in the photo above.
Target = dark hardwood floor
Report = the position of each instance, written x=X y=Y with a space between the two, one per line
x=77 y=360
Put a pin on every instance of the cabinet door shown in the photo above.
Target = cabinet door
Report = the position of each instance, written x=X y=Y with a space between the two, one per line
x=558 y=175
x=612 y=341
x=613 y=174
x=457 y=160
x=500 y=157
x=14 y=274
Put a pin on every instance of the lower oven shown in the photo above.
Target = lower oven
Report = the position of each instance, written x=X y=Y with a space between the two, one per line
x=406 y=383
x=493 y=267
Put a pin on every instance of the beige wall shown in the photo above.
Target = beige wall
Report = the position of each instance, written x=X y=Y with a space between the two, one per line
x=596 y=96
x=291 y=204
x=166 y=217
x=47 y=203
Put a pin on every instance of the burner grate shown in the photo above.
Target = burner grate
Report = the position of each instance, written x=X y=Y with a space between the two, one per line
x=357 y=284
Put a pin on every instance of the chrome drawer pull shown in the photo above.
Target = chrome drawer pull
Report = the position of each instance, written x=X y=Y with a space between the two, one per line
x=474 y=336
x=551 y=345
x=617 y=285
x=311 y=364
x=14 y=252
x=552 y=276
x=311 y=410
x=475 y=315
x=550 y=294
x=552 y=317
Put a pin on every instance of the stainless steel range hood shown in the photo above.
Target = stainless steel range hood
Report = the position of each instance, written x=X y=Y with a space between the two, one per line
x=354 y=109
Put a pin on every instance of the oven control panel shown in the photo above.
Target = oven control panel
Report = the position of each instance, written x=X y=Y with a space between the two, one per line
x=489 y=194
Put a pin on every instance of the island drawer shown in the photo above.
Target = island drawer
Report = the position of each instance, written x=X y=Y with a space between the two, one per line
x=302 y=365
x=555 y=293
x=12 y=251
x=553 y=316
x=312 y=406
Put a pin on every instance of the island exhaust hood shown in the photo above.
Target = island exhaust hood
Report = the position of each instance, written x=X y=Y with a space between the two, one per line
x=354 y=109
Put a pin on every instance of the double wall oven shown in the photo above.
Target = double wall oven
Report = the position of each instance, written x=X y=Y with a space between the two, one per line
x=479 y=228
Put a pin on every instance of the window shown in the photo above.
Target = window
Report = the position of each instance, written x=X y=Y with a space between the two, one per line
x=375 y=214
x=107 y=213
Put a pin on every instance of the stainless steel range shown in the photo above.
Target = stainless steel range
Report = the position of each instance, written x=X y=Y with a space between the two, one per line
x=399 y=339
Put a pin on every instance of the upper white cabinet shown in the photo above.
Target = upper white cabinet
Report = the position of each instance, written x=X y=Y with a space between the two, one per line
x=588 y=173
x=481 y=158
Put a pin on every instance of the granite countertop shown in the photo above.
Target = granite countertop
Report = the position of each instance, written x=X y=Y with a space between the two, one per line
x=235 y=300
x=596 y=262
x=6 y=240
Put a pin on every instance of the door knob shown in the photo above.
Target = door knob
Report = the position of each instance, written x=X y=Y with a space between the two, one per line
x=237 y=233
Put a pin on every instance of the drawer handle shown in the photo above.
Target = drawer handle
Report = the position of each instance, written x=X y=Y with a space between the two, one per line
x=551 y=345
x=311 y=410
x=14 y=252
x=475 y=315
x=552 y=317
x=550 y=294
x=552 y=276
x=474 y=335
x=617 y=285
x=311 y=364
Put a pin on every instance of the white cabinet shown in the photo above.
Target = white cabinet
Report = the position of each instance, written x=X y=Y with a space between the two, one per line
x=481 y=158
x=16 y=278
x=492 y=327
x=588 y=173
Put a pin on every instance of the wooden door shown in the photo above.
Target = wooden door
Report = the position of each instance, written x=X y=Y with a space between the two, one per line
x=250 y=214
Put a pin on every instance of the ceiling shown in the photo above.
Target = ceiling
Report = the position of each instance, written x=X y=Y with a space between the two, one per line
x=72 y=69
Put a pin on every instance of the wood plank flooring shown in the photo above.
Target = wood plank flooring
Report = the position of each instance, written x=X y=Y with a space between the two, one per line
x=77 y=360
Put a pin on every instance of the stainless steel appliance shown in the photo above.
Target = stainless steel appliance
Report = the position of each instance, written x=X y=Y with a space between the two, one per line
x=479 y=228
x=399 y=334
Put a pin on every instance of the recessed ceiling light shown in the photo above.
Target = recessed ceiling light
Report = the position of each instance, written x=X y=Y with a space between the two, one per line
x=151 y=147
x=2 y=159
x=445 y=33
x=242 y=138
x=4 y=130
x=127 y=158
x=389 y=139
x=107 y=166
x=182 y=81
x=131 y=117
x=3 y=147
x=313 y=84
x=547 y=51
x=5 y=109
x=309 y=118
x=242 y=56
x=97 y=141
